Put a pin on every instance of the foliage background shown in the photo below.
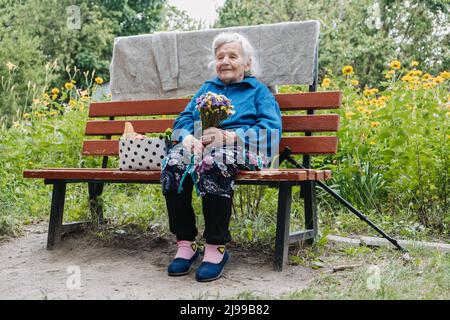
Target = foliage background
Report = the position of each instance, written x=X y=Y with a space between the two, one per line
x=393 y=159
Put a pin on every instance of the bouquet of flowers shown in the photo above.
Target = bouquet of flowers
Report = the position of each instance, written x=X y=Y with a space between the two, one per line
x=214 y=109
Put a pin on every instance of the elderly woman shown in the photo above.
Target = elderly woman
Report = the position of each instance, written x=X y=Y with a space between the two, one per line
x=257 y=118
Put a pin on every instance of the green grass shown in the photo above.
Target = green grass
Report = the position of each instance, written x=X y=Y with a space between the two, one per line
x=426 y=276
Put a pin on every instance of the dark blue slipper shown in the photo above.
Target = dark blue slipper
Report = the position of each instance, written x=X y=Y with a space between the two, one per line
x=208 y=271
x=180 y=266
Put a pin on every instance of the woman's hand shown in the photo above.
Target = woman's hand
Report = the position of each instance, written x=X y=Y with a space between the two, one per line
x=213 y=137
x=193 y=144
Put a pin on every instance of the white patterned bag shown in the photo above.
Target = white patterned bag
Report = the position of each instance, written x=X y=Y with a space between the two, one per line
x=141 y=153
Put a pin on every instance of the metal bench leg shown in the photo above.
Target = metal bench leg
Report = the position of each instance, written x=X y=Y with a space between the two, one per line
x=310 y=208
x=95 y=205
x=56 y=215
x=283 y=219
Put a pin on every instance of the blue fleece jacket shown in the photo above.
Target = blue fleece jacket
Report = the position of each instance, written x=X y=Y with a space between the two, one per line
x=255 y=109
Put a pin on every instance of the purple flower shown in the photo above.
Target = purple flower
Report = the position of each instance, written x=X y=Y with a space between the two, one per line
x=213 y=100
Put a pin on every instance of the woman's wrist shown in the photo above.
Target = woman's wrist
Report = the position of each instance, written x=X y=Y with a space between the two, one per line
x=185 y=138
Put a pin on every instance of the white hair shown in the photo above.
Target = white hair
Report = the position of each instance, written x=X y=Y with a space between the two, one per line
x=247 y=48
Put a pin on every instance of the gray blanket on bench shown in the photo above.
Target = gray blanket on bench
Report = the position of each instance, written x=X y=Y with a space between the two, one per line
x=175 y=64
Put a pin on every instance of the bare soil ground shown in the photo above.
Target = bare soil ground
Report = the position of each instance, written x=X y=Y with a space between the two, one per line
x=128 y=266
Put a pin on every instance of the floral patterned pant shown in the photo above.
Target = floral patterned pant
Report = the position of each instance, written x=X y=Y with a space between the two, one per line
x=213 y=174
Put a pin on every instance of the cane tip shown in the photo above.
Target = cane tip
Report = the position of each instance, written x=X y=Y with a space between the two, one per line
x=406 y=257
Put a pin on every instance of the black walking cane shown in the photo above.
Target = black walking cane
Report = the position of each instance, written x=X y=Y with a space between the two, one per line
x=286 y=155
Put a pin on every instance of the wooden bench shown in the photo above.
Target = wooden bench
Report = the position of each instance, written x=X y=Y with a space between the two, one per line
x=284 y=179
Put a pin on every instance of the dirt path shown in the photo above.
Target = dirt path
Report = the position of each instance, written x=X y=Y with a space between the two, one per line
x=128 y=268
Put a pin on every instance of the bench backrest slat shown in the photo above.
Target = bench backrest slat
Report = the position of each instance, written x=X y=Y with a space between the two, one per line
x=308 y=145
x=290 y=101
x=312 y=123
x=305 y=145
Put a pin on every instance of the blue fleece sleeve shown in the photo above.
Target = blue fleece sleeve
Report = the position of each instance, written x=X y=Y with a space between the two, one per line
x=269 y=119
x=184 y=123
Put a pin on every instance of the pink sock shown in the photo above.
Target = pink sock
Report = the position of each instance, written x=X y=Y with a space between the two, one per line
x=186 y=249
x=214 y=253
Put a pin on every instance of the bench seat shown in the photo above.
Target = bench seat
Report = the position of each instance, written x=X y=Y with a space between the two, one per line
x=111 y=175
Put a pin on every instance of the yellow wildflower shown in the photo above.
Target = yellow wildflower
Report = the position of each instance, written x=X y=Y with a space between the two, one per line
x=54 y=96
x=414 y=63
x=372 y=142
x=428 y=85
x=98 y=80
x=445 y=75
x=68 y=85
x=347 y=70
x=438 y=80
x=389 y=74
x=73 y=81
x=72 y=102
x=380 y=103
x=427 y=76
x=369 y=92
x=326 y=82
x=55 y=91
x=46 y=96
x=407 y=78
x=361 y=109
x=26 y=115
x=355 y=83
x=349 y=114
x=395 y=64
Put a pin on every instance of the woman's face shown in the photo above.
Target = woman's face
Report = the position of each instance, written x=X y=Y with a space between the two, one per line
x=230 y=62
